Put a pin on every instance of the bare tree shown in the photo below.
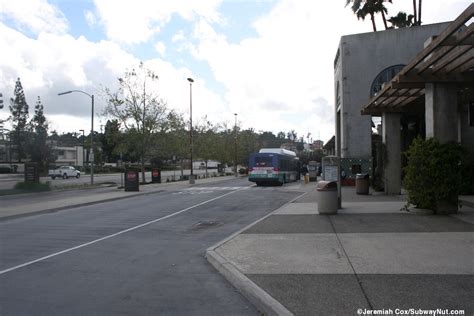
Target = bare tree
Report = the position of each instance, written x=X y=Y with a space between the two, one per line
x=139 y=108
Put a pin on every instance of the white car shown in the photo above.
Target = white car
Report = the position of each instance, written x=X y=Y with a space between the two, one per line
x=64 y=172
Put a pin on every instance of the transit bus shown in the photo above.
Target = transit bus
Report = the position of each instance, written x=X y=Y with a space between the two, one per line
x=273 y=166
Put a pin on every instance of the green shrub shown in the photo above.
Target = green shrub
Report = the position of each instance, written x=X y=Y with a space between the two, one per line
x=467 y=172
x=243 y=171
x=4 y=169
x=433 y=173
x=32 y=186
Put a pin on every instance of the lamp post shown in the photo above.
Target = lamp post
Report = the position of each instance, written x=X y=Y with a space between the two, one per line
x=91 y=155
x=235 y=145
x=191 y=177
x=83 y=138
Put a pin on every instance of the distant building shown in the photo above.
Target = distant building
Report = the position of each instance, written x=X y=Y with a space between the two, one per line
x=317 y=145
x=329 y=149
x=5 y=145
x=70 y=156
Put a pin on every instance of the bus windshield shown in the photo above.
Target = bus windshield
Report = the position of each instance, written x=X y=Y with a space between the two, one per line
x=263 y=161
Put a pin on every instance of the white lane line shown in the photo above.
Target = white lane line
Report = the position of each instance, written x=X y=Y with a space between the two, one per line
x=115 y=234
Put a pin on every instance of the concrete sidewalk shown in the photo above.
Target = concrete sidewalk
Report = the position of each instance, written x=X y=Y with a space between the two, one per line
x=34 y=203
x=370 y=256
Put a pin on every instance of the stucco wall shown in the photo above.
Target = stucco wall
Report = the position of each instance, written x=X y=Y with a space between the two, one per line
x=361 y=58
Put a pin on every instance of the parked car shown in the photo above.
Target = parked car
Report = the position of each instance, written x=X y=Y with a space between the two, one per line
x=64 y=172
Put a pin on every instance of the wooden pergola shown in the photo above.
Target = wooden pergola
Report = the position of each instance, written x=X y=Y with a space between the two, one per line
x=449 y=58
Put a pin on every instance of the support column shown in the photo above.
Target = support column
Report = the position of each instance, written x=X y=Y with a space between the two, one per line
x=441 y=112
x=392 y=162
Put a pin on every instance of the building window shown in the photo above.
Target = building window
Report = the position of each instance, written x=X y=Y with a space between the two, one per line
x=384 y=76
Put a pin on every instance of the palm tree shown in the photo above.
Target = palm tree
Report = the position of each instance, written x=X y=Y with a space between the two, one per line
x=419 y=13
x=380 y=7
x=414 y=13
x=370 y=7
x=401 y=20
x=362 y=11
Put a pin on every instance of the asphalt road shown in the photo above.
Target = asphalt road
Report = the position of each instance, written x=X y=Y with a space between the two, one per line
x=138 y=256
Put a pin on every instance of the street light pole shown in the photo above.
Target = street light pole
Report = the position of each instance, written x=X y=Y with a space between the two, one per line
x=235 y=145
x=191 y=177
x=91 y=155
x=83 y=137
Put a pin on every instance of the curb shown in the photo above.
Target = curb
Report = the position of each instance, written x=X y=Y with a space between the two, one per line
x=467 y=203
x=258 y=297
x=263 y=301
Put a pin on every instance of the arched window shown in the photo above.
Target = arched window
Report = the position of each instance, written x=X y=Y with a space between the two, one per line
x=384 y=76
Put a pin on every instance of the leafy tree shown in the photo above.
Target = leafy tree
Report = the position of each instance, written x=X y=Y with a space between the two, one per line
x=19 y=117
x=172 y=140
x=138 y=108
x=269 y=140
x=38 y=149
x=206 y=141
x=292 y=135
x=247 y=143
x=300 y=145
x=226 y=143
x=112 y=141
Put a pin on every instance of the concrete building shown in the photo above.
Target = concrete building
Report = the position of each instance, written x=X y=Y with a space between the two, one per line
x=436 y=86
x=362 y=64
x=69 y=156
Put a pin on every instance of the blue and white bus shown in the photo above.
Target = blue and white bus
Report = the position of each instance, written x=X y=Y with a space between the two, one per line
x=273 y=166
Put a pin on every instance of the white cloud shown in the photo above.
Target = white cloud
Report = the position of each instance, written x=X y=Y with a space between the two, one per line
x=281 y=78
x=160 y=48
x=179 y=36
x=137 y=21
x=90 y=17
x=35 y=15
x=54 y=63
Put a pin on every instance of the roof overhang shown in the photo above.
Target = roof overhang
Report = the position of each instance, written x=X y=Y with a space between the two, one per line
x=449 y=58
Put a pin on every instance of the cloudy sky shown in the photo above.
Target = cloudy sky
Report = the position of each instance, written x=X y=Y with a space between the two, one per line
x=271 y=62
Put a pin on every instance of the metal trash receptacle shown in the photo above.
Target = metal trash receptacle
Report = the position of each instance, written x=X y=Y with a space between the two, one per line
x=362 y=183
x=327 y=197
x=132 y=180
x=155 y=175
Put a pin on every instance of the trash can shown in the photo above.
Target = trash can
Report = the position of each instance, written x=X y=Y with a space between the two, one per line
x=327 y=197
x=132 y=181
x=362 y=183
x=155 y=175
